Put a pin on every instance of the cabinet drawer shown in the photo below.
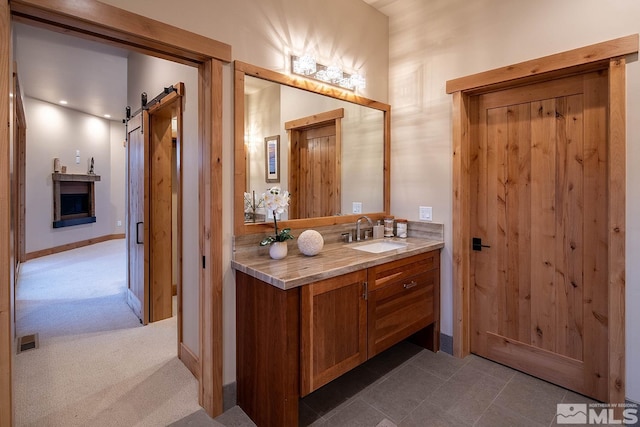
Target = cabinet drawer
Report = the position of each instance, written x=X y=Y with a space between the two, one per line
x=400 y=309
x=402 y=270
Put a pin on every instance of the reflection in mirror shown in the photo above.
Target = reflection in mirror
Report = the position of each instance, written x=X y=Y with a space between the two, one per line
x=307 y=117
x=331 y=152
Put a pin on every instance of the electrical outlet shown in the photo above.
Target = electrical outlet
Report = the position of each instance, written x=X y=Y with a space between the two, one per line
x=426 y=213
x=357 y=207
x=119 y=224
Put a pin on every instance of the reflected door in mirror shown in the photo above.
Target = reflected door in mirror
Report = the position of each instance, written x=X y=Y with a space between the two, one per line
x=315 y=171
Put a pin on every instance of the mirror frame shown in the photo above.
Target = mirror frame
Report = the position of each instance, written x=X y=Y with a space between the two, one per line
x=242 y=69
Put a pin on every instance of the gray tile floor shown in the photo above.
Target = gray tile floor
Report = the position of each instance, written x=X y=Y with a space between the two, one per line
x=407 y=386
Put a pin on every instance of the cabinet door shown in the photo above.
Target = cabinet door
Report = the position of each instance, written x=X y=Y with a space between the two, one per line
x=334 y=329
x=403 y=299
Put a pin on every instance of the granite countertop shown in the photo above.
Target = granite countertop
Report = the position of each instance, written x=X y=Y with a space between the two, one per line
x=335 y=259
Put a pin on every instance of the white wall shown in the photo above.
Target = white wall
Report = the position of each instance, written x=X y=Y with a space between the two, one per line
x=152 y=75
x=435 y=41
x=54 y=131
x=263 y=107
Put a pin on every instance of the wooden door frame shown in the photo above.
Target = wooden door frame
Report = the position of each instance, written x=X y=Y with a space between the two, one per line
x=609 y=55
x=174 y=102
x=97 y=21
x=294 y=128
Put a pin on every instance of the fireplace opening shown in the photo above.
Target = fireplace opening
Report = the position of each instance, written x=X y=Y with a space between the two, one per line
x=74 y=205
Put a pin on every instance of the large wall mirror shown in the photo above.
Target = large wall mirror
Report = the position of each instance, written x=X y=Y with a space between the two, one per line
x=328 y=147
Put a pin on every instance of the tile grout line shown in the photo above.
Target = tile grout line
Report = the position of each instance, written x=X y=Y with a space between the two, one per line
x=493 y=401
x=553 y=420
x=445 y=381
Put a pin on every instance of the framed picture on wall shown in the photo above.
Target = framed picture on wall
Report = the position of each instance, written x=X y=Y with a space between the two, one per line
x=272 y=158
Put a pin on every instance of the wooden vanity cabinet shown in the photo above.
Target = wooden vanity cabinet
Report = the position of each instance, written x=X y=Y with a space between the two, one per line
x=291 y=342
x=348 y=319
x=333 y=317
x=403 y=300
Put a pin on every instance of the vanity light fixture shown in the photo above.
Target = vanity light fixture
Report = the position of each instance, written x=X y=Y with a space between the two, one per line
x=303 y=65
x=308 y=67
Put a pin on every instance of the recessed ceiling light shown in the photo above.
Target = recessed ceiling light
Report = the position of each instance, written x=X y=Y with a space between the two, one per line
x=107 y=116
x=63 y=102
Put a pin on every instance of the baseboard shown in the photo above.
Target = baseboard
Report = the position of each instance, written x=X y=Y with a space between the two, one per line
x=74 y=245
x=190 y=360
x=446 y=343
x=229 y=395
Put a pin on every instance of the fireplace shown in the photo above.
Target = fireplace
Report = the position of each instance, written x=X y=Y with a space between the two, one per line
x=74 y=205
x=73 y=199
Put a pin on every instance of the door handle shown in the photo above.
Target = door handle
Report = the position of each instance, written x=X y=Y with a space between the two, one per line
x=138 y=241
x=477 y=245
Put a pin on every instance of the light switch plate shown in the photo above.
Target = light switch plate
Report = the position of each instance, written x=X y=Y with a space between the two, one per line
x=357 y=207
x=426 y=213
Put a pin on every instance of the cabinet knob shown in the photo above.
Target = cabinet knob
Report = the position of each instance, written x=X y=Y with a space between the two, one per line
x=413 y=284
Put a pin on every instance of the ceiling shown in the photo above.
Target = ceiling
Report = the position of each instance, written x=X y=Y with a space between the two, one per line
x=90 y=76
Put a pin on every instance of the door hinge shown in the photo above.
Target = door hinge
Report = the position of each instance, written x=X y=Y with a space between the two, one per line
x=204 y=264
x=365 y=290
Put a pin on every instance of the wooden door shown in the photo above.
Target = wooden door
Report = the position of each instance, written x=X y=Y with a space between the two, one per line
x=333 y=324
x=138 y=216
x=315 y=166
x=539 y=295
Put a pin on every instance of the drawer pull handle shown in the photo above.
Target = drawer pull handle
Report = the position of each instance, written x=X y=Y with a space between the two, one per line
x=411 y=285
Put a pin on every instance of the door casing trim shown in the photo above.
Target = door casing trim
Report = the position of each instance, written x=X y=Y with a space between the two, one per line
x=607 y=55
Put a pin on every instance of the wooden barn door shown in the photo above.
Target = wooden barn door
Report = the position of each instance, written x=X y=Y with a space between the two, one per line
x=539 y=200
x=314 y=166
x=138 y=216
x=150 y=158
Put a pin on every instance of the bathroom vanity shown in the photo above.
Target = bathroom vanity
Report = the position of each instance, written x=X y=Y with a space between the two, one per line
x=304 y=321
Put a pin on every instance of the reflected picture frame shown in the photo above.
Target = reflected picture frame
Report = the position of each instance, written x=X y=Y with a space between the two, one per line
x=272 y=158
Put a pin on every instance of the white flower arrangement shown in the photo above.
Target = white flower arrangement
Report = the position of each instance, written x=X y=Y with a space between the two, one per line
x=277 y=201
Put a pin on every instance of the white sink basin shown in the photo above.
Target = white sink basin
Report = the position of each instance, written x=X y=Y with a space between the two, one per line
x=379 y=247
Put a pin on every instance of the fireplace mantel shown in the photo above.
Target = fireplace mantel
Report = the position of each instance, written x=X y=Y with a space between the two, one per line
x=73 y=199
x=75 y=177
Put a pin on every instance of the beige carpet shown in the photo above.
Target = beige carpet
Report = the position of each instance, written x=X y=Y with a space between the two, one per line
x=96 y=365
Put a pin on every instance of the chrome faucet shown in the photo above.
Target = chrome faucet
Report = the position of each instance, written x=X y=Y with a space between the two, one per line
x=358 y=225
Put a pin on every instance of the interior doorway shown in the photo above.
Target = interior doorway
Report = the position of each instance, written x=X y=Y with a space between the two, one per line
x=539 y=204
x=98 y=21
x=610 y=60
